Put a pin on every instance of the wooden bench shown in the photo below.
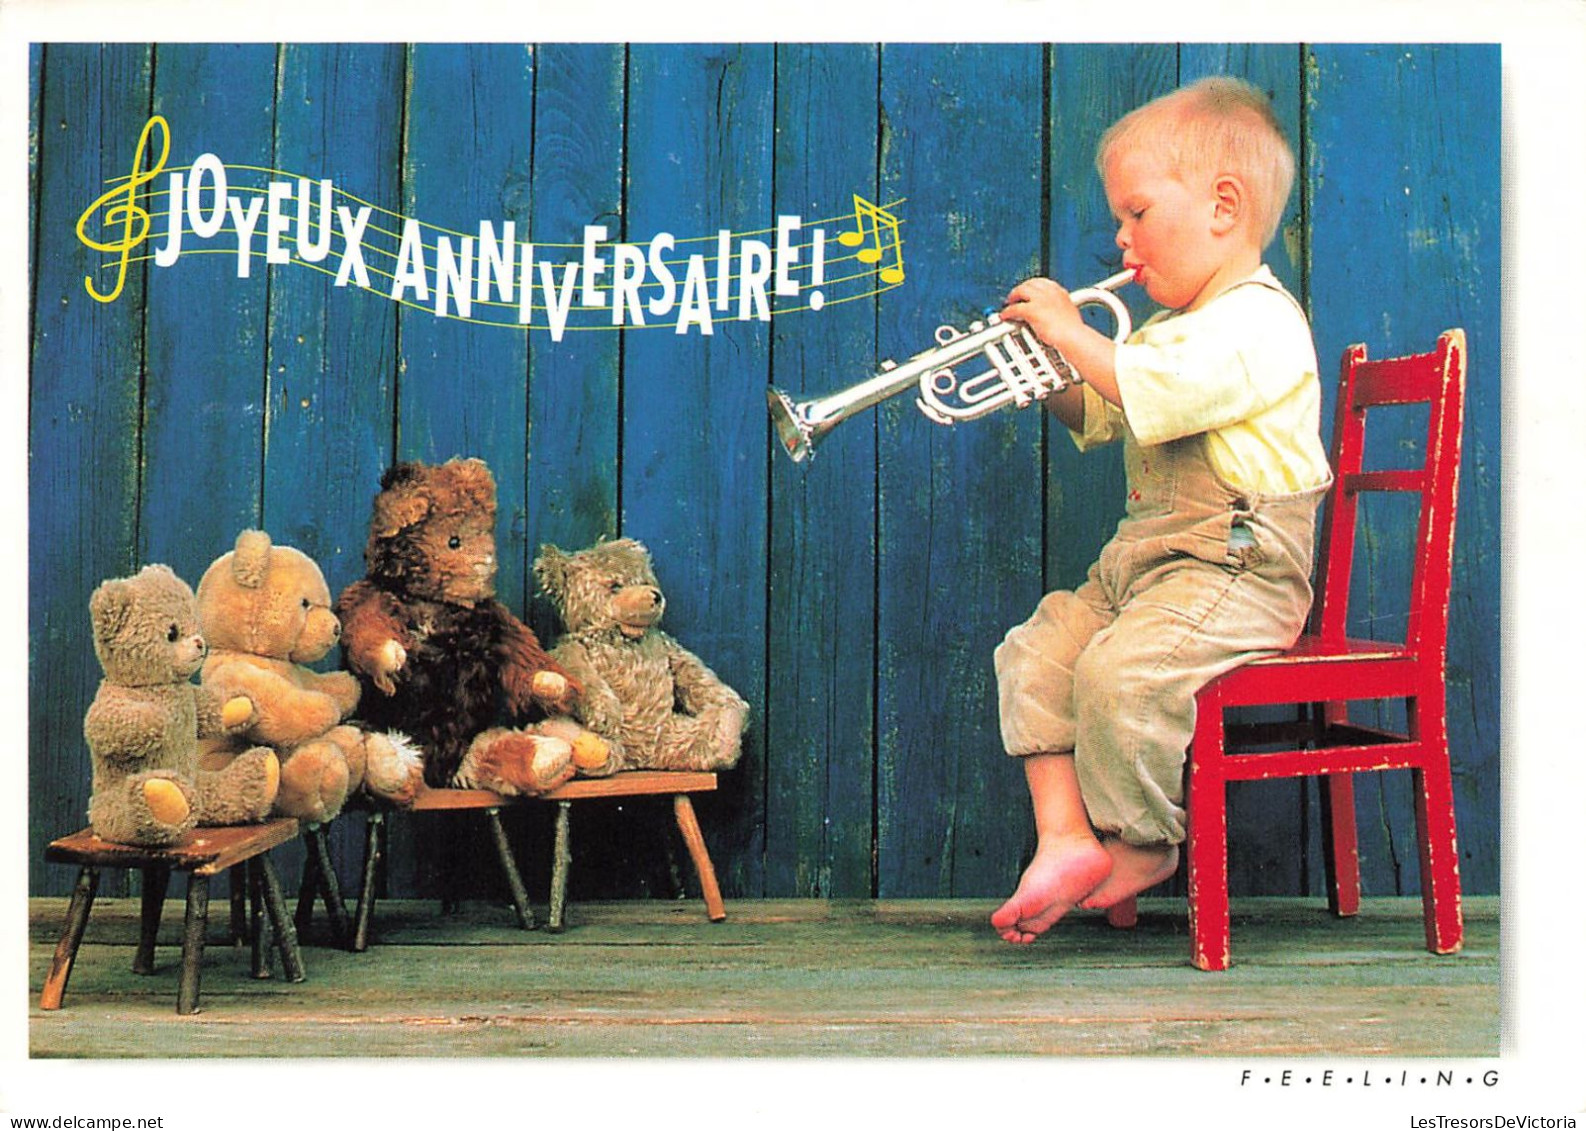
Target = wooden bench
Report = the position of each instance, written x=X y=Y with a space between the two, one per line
x=634 y=783
x=205 y=852
x=482 y=801
x=631 y=783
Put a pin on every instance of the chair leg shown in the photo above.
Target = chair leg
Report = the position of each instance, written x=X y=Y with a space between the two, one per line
x=285 y=932
x=372 y=850
x=1207 y=851
x=194 y=924
x=1440 y=896
x=688 y=825
x=1340 y=846
x=561 y=861
x=71 y=938
x=509 y=866
x=1124 y=914
x=156 y=881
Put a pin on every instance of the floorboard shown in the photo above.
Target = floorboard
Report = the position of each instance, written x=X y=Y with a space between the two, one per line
x=784 y=978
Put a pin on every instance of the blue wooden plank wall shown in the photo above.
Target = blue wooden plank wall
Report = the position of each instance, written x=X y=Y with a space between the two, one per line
x=854 y=601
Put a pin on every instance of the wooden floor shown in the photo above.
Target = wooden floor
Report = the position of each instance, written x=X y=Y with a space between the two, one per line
x=779 y=978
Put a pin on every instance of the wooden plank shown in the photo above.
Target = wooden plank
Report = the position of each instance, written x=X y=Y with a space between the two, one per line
x=462 y=390
x=633 y=783
x=331 y=371
x=807 y=977
x=462 y=387
x=205 y=357
x=694 y=430
x=574 y=426
x=960 y=509
x=1404 y=245
x=1092 y=86
x=820 y=707
x=207 y=851
x=573 y=384
x=332 y=350
x=84 y=423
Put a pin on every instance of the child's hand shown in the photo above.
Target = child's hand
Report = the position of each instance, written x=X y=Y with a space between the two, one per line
x=1045 y=307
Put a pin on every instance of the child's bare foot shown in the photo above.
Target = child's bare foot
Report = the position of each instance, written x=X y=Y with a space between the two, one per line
x=1064 y=871
x=1134 y=868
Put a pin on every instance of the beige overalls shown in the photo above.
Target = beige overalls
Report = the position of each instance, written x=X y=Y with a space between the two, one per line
x=1198 y=578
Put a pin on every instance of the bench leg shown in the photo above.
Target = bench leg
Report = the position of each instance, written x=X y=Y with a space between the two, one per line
x=71 y=938
x=258 y=942
x=319 y=878
x=285 y=932
x=238 y=884
x=193 y=927
x=156 y=881
x=688 y=825
x=561 y=861
x=308 y=882
x=373 y=847
x=509 y=866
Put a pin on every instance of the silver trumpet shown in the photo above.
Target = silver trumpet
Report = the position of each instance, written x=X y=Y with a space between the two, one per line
x=1021 y=372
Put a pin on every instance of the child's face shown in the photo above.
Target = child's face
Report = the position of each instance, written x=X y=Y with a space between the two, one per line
x=1166 y=228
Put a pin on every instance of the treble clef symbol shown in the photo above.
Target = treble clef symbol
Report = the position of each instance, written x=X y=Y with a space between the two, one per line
x=127 y=212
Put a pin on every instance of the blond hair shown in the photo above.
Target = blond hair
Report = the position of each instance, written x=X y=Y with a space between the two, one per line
x=1214 y=126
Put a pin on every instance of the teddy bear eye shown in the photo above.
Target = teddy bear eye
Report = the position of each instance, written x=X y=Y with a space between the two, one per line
x=454 y=542
x=172 y=633
x=307 y=604
x=614 y=585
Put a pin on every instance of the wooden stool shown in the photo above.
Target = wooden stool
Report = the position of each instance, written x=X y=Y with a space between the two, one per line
x=438 y=801
x=203 y=853
x=635 y=783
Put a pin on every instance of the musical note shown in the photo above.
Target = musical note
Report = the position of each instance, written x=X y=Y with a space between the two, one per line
x=868 y=218
x=133 y=217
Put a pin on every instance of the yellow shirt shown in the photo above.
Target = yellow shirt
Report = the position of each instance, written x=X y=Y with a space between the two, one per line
x=1241 y=369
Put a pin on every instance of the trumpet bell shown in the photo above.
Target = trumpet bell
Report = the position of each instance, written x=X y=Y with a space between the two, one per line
x=795 y=435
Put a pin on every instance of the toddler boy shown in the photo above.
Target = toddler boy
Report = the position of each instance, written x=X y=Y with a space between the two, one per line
x=1216 y=402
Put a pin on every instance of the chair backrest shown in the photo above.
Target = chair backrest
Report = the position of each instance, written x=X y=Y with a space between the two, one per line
x=1438 y=380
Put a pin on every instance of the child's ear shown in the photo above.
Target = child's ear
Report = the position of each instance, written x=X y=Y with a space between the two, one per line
x=1228 y=203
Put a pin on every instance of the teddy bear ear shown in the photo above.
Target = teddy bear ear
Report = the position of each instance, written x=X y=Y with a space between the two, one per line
x=109 y=607
x=250 y=559
x=472 y=478
x=397 y=509
x=550 y=568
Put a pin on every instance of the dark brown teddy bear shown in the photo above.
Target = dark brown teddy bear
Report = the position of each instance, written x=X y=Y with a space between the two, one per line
x=439 y=658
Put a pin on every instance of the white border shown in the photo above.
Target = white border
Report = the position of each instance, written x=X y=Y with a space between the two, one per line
x=1544 y=803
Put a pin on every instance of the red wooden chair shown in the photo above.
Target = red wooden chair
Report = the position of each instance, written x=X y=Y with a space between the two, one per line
x=1326 y=669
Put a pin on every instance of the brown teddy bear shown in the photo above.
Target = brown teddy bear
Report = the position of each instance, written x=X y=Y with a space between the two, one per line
x=265 y=610
x=147 y=717
x=439 y=657
x=657 y=706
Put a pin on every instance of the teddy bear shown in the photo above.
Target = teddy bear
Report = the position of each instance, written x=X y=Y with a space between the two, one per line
x=146 y=719
x=439 y=657
x=655 y=703
x=265 y=610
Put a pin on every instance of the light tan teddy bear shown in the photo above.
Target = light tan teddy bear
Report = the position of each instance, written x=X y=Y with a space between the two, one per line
x=654 y=702
x=266 y=611
x=146 y=720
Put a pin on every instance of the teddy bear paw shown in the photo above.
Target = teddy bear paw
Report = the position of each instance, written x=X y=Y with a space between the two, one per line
x=236 y=712
x=167 y=804
x=514 y=763
x=394 y=767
